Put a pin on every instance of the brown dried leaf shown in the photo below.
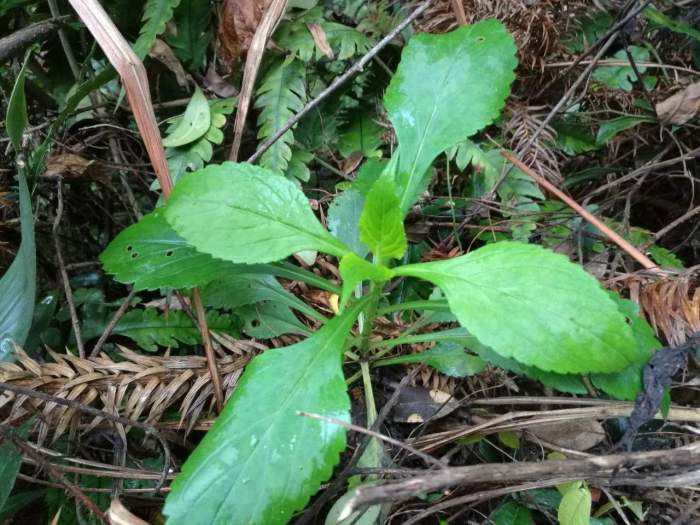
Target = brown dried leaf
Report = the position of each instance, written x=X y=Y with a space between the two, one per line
x=71 y=166
x=681 y=107
x=238 y=21
x=165 y=55
x=320 y=39
x=118 y=514
x=577 y=434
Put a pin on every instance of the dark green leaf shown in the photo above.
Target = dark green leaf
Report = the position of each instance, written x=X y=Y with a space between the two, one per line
x=156 y=14
x=446 y=88
x=262 y=461
x=151 y=329
x=535 y=306
x=246 y=214
x=192 y=19
x=659 y=19
x=608 y=130
x=362 y=134
x=18 y=285
x=344 y=219
x=447 y=357
x=622 y=77
x=194 y=124
x=10 y=461
x=511 y=513
x=16 y=118
x=381 y=222
x=270 y=319
x=17 y=502
x=281 y=95
x=151 y=255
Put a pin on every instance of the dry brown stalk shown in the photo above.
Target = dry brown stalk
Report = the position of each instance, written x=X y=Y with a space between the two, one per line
x=133 y=385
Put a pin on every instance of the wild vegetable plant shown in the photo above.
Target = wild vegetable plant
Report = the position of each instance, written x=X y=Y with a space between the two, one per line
x=518 y=305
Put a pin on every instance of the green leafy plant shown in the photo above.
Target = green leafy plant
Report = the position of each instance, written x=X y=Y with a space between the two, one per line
x=278 y=437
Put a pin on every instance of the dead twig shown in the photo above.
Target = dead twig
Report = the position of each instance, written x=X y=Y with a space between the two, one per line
x=13 y=44
x=592 y=219
x=112 y=323
x=617 y=469
x=339 y=81
x=75 y=323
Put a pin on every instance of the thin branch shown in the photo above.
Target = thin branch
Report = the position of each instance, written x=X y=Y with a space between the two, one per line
x=610 y=234
x=339 y=81
x=112 y=323
x=208 y=349
x=75 y=323
x=430 y=460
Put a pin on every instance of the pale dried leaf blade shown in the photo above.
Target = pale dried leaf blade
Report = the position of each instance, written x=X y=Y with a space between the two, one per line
x=681 y=107
x=320 y=39
x=118 y=514
x=580 y=435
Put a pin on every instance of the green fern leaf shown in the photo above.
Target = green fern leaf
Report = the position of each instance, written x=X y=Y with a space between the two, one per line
x=281 y=95
x=150 y=329
x=156 y=14
x=192 y=19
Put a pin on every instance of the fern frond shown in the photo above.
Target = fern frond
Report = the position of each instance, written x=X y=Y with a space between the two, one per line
x=282 y=93
x=156 y=14
x=149 y=328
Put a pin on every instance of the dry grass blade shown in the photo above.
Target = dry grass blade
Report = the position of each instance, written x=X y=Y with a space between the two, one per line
x=273 y=15
x=132 y=386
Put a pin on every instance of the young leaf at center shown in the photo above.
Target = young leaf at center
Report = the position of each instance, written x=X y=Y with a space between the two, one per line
x=261 y=461
x=381 y=222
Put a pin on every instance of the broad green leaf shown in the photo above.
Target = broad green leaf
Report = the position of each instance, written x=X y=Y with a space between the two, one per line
x=369 y=173
x=10 y=461
x=281 y=95
x=246 y=214
x=16 y=118
x=593 y=28
x=447 y=357
x=627 y=383
x=381 y=222
x=151 y=329
x=622 y=77
x=446 y=88
x=608 y=130
x=192 y=19
x=368 y=516
x=194 y=124
x=574 y=137
x=270 y=319
x=570 y=383
x=151 y=255
x=535 y=306
x=18 y=285
x=344 y=219
x=510 y=439
x=511 y=513
x=575 y=507
x=354 y=270
x=156 y=14
x=262 y=461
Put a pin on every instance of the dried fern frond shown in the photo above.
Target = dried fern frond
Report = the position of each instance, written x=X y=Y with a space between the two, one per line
x=521 y=123
x=671 y=305
x=133 y=385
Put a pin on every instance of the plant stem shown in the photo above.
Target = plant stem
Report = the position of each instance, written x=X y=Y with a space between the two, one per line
x=453 y=334
x=427 y=304
x=368 y=317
